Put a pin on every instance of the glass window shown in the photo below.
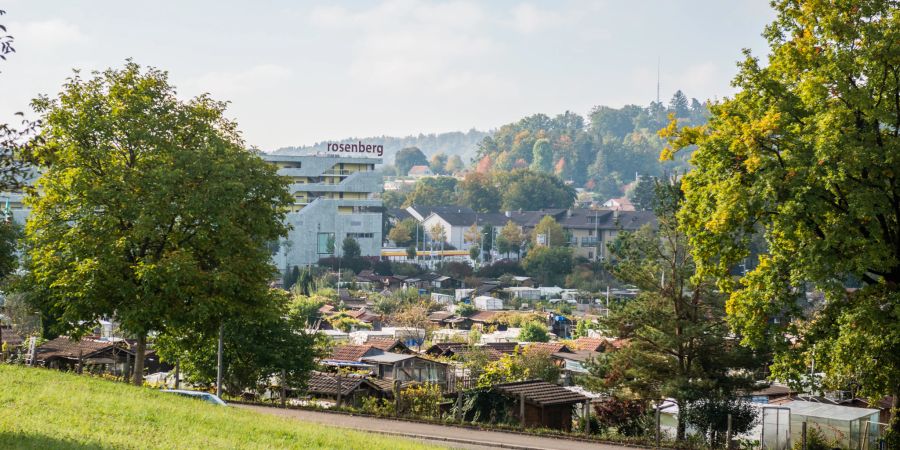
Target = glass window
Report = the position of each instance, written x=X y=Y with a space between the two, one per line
x=322 y=242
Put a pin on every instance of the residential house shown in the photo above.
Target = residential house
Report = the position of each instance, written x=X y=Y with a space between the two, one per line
x=420 y=172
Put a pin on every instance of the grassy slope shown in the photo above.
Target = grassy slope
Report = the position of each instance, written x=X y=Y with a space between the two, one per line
x=43 y=409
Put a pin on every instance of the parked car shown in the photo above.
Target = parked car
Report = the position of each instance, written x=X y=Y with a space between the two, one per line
x=205 y=396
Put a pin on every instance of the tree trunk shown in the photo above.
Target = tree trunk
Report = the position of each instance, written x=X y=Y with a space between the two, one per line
x=679 y=434
x=139 y=352
x=895 y=412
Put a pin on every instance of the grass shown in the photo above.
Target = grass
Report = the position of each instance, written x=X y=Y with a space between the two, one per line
x=45 y=409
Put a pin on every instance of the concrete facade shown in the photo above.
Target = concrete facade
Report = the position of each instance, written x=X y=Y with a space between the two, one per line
x=333 y=197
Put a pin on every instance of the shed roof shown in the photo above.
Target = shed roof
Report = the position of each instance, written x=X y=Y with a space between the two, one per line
x=326 y=383
x=541 y=392
x=65 y=347
x=352 y=352
x=826 y=411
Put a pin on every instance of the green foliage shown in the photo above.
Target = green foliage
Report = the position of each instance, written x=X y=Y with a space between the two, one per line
x=256 y=346
x=478 y=191
x=393 y=199
x=710 y=418
x=432 y=191
x=465 y=309
x=806 y=152
x=454 y=165
x=380 y=407
x=350 y=248
x=678 y=336
x=303 y=310
x=411 y=252
x=437 y=163
x=421 y=401
x=510 y=238
x=551 y=232
x=529 y=191
x=150 y=209
x=508 y=368
x=627 y=417
x=542 y=159
x=534 y=331
x=404 y=234
x=549 y=265
x=643 y=196
x=56 y=418
x=290 y=277
x=10 y=233
x=408 y=157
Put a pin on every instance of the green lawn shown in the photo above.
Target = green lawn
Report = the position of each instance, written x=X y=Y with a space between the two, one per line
x=44 y=409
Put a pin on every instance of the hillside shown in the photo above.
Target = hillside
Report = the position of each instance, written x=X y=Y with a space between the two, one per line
x=453 y=143
x=43 y=409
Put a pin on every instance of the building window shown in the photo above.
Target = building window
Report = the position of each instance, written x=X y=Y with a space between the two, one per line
x=590 y=232
x=361 y=235
x=322 y=243
x=590 y=255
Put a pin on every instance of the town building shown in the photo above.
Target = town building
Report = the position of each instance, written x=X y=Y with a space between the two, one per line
x=334 y=197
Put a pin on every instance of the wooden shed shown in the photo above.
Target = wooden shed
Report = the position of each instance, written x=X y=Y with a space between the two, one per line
x=542 y=404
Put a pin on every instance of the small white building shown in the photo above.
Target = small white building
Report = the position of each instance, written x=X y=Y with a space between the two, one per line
x=488 y=303
x=525 y=293
x=509 y=335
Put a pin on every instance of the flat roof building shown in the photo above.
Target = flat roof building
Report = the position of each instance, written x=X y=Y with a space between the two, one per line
x=334 y=197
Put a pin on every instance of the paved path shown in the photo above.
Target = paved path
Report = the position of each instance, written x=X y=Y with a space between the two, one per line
x=456 y=437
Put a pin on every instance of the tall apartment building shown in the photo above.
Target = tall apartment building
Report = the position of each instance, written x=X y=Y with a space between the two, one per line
x=334 y=197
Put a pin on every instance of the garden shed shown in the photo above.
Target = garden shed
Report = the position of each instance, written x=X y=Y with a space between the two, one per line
x=544 y=404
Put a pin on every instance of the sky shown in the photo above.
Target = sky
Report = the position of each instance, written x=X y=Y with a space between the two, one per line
x=300 y=72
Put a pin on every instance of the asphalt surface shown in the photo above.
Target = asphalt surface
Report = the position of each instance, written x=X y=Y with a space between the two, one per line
x=449 y=436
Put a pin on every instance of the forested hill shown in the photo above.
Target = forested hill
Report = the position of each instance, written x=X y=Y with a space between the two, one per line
x=602 y=152
x=464 y=144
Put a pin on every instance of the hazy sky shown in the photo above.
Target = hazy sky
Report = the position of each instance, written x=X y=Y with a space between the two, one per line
x=300 y=72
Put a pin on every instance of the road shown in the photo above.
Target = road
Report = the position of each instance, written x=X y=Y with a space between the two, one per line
x=455 y=437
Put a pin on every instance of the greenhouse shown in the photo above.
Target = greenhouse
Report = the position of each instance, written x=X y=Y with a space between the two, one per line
x=845 y=425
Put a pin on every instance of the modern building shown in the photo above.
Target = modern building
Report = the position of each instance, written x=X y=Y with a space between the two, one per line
x=334 y=197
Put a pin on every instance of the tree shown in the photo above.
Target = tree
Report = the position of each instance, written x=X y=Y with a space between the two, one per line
x=14 y=142
x=454 y=165
x=643 y=196
x=411 y=252
x=437 y=163
x=679 y=105
x=542 y=158
x=151 y=210
x=393 y=199
x=530 y=191
x=548 y=232
x=477 y=191
x=534 y=332
x=680 y=346
x=510 y=239
x=408 y=157
x=404 y=233
x=806 y=153
x=437 y=233
x=415 y=318
x=433 y=191
x=257 y=347
x=350 y=248
x=290 y=278
x=549 y=265
x=472 y=236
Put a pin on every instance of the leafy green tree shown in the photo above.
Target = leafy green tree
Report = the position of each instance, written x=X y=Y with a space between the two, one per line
x=549 y=265
x=548 y=232
x=477 y=191
x=542 y=159
x=465 y=309
x=290 y=278
x=454 y=165
x=680 y=346
x=534 y=332
x=530 y=191
x=393 y=199
x=350 y=248
x=256 y=347
x=150 y=210
x=643 y=196
x=510 y=239
x=433 y=191
x=404 y=233
x=806 y=152
x=10 y=233
x=437 y=163
x=411 y=252
x=408 y=157
x=679 y=105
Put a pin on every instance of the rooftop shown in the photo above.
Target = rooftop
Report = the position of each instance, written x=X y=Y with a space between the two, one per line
x=541 y=393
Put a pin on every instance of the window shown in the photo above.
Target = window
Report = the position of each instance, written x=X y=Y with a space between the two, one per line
x=590 y=255
x=590 y=232
x=322 y=243
x=361 y=235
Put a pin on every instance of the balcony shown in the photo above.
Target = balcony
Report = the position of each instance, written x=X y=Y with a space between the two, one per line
x=589 y=242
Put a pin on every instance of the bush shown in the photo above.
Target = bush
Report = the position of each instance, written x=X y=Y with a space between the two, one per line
x=534 y=332
x=627 y=417
x=377 y=406
x=421 y=401
x=500 y=268
x=456 y=269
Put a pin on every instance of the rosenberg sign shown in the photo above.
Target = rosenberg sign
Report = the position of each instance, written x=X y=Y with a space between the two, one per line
x=356 y=148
